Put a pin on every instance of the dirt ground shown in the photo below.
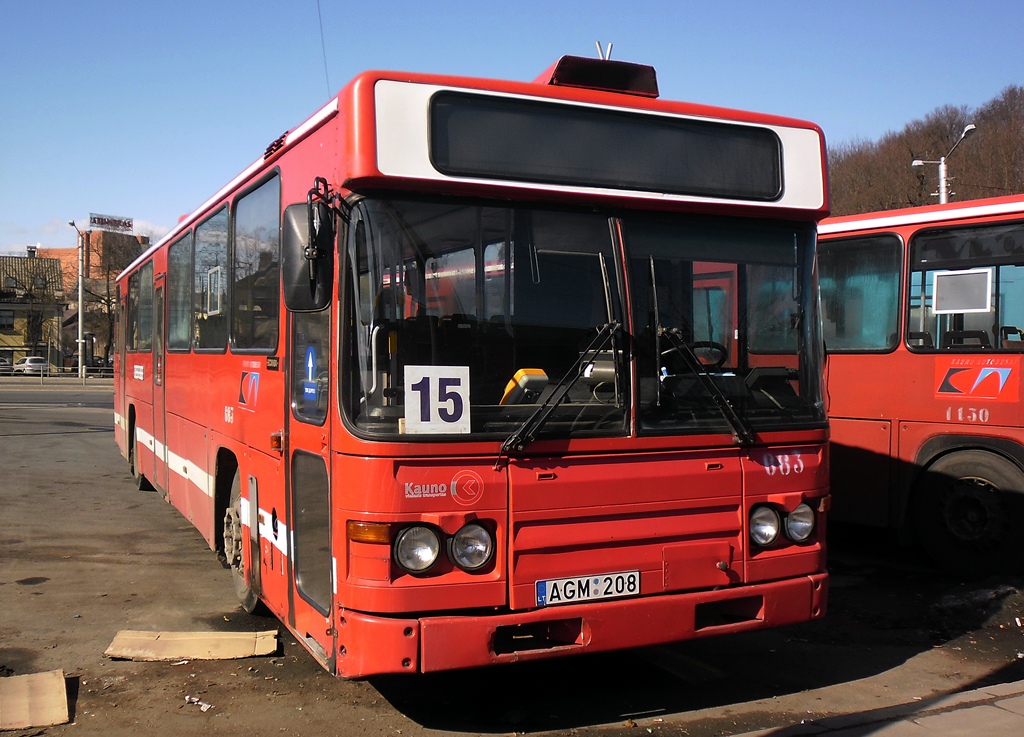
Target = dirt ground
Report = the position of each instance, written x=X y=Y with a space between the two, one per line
x=84 y=555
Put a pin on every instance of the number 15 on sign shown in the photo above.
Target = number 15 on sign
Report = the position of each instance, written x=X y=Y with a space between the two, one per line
x=436 y=399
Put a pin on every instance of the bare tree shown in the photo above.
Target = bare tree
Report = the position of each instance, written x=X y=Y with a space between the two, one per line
x=868 y=175
x=107 y=255
x=114 y=251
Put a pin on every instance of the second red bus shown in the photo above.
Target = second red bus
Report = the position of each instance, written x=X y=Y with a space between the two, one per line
x=923 y=313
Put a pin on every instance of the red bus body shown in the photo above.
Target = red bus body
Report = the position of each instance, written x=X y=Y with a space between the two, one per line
x=287 y=437
x=921 y=313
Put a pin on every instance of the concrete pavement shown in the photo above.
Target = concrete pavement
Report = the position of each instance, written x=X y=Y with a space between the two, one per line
x=990 y=710
x=983 y=711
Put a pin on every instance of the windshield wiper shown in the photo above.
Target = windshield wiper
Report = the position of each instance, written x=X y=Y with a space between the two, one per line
x=526 y=432
x=742 y=433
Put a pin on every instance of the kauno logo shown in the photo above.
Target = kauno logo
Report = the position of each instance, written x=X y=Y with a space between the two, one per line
x=466 y=488
x=977 y=378
x=425 y=491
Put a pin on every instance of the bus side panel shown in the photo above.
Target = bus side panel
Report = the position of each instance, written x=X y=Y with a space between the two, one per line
x=862 y=471
x=189 y=449
x=884 y=407
x=263 y=487
x=120 y=418
x=177 y=462
x=864 y=386
x=145 y=461
x=139 y=423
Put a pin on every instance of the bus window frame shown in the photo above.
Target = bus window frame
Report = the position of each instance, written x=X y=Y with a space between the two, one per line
x=188 y=236
x=274 y=173
x=196 y=305
x=135 y=310
x=901 y=304
x=997 y=299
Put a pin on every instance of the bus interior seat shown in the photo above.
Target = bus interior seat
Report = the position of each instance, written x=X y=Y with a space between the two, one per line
x=960 y=338
x=1011 y=337
x=457 y=332
x=920 y=339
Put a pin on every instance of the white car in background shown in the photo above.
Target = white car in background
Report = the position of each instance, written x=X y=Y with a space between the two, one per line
x=35 y=365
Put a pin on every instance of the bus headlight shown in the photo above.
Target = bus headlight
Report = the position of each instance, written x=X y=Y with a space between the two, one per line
x=800 y=523
x=764 y=526
x=416 y=549
x=471 y=547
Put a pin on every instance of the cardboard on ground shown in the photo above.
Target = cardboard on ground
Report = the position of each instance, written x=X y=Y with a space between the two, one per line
x=33 y=700
x=137 y=645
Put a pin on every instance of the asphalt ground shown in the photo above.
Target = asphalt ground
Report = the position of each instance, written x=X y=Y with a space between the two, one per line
x=83 y=555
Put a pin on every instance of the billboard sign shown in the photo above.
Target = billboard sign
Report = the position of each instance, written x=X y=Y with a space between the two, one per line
x=110 y=223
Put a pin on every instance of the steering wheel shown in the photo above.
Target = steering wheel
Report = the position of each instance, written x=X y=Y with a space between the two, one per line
x=722 y=353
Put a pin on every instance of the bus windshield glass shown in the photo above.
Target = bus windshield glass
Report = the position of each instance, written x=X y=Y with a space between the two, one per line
x=722 y=324
x=468 y=319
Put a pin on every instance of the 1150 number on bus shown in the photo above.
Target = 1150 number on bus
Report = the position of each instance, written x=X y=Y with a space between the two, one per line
x=967 y=414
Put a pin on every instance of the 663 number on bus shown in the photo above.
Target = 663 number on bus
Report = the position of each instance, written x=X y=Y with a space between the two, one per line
x=783 y=465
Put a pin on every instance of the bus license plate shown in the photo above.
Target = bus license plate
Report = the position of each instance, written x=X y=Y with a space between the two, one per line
x=588 y=588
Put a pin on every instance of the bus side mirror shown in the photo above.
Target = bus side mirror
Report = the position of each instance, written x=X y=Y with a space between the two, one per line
x=308 y=258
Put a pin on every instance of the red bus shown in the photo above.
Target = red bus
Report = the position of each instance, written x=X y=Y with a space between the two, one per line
x=465 y=372
x=923 y=311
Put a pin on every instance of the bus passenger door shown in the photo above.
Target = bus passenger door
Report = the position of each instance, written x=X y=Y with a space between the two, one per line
x=311 y=569
x=159 y=479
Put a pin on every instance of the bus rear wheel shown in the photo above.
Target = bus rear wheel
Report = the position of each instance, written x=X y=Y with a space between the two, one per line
x=967 y=513
x=234 y=540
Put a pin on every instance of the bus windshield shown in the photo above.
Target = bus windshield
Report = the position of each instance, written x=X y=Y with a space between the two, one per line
x=723 y=324
x=489 y=312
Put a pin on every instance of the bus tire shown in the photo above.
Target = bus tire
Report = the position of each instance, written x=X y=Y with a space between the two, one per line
x=138 y=478
x=234 y=541
x=967 y=513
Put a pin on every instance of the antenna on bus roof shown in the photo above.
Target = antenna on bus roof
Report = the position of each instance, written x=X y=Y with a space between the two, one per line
x=323 y=47
x=605 y=55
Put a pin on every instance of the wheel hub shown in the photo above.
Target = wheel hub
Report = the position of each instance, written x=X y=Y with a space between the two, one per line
x=973 y=512
x=233 y=537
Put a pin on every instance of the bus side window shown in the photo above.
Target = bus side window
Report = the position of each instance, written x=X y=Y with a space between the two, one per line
x=209 y=284
x=860 y=293
x=256 y=269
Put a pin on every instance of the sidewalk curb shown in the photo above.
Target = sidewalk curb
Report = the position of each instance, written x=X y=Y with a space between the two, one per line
x=940 y=713
x=56 y=384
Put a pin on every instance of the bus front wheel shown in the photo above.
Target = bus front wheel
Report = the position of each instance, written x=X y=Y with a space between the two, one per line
x=967 y=513
x=234 y=540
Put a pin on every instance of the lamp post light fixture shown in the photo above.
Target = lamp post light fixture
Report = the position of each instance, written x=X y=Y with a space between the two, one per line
x=81 y=300
x=943 y=181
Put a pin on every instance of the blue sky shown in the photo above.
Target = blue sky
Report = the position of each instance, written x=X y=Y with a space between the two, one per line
x=145 y=109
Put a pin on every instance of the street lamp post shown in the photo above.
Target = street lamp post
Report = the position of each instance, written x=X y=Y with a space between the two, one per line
x=943 y=181
x=81 y=300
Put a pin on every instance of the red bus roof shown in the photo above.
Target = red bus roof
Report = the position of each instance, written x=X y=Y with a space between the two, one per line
x=988 y=207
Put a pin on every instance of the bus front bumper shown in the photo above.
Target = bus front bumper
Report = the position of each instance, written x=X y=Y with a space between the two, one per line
x=372 y=645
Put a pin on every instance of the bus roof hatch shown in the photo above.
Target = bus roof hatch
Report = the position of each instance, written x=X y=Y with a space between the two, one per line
x=602 y=74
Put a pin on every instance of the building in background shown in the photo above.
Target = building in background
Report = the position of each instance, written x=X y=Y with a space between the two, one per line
x=32 y=304
x=105 y=255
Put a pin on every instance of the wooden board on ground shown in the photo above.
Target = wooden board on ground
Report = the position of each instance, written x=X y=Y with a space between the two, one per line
x=138 y=645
